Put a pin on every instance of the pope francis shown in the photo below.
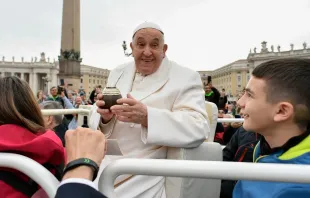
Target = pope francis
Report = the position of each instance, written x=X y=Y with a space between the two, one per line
x=162 y=106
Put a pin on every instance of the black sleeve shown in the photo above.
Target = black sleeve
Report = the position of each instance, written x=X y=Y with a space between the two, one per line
x=217 y=96
x=92 y=96
x=216 y=92
x=230 y=131
x=66 y=93
x=77 y=190
x=231 y=148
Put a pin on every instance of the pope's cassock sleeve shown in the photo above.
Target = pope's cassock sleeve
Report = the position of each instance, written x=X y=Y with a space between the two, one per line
x=185 y=125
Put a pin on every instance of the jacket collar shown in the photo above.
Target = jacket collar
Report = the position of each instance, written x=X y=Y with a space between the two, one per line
x=294 y=147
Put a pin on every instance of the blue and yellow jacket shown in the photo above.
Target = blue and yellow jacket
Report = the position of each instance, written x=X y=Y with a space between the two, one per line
x=298 y=154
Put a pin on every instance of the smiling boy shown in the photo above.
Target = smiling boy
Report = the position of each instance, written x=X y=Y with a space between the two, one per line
x=276 y=104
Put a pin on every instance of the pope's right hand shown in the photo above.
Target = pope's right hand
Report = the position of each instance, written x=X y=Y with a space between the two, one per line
x=106 y=114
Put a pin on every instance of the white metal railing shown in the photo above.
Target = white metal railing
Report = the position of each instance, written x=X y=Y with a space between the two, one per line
x=201 y=169
x=83 y=110
x=64 y=111
x=32 y=169
x=230 y=120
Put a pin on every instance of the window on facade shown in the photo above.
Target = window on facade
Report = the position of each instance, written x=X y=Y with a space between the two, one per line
x=239 y=79
x=81 y=80
x=94 y=81
x=89 y=81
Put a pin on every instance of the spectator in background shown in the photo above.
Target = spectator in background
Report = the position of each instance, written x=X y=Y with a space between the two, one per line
x=222 y=100
x=219 y=131
x=55 y=96
x=212 y=94
x=231 y=110
x=70 y=97
x=94 y=93
x=40 y=97
x=83 y=98
x=78 y=102
x=54 y=122
x=230 y=128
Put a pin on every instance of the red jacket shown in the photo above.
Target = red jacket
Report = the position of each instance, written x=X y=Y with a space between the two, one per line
x=43 y=148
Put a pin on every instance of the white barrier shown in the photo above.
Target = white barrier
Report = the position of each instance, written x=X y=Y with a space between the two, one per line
x=64 y=111
x=230 y=120
x=32 y=169
x=84 y=110
x=201 y=169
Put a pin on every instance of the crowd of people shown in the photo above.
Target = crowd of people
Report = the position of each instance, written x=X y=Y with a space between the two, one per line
x=226 y=109
x=62 y=98
x=163 y=105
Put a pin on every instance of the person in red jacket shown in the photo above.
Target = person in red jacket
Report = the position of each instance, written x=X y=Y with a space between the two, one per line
x=22 y=132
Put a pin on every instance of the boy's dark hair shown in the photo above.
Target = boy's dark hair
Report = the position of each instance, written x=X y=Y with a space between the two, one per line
x=288 y=79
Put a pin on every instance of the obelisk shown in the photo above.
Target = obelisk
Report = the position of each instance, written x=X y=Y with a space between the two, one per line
x=69 y=59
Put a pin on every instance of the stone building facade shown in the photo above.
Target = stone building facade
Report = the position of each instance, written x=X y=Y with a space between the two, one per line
x=42 y=74
x=235 y=76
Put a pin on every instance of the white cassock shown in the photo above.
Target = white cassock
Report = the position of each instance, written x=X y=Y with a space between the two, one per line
x=176 y=118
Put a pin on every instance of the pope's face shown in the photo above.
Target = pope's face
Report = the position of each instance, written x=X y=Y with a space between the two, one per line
x=148 y=50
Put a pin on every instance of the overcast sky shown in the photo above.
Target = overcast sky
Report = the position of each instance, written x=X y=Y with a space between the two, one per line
x=201 y=34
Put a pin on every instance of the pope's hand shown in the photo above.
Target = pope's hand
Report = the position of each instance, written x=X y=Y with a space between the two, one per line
x=106 y=114
x=85 y=143
x=132 y=110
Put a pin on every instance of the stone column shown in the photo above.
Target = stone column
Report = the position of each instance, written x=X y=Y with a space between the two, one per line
x=49 y=83
x=31 y=80
x=251 y=70
x=22 y=76
x=35 y=82
x=53 y=75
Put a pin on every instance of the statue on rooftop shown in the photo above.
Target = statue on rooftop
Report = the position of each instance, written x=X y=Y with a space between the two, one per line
x=264 y=47
x=305 y=45
x=255 y=50
x=292 y=46
x=3 y=58
x=279 y=48
x=42 y=59
x=272 y=48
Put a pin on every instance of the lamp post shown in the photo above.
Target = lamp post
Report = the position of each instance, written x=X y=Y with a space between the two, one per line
x=124 y=45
